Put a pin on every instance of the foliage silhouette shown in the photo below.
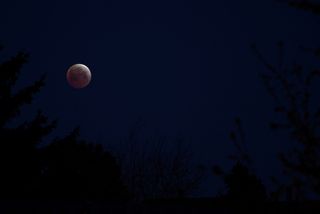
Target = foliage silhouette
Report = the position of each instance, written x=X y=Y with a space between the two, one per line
x=73 y=168
x=293 y=91
x=291 y=88
x=241 y=182
x=237 y=136
x=67 y=168
x=310 y=6
x=18 y=153
x=244 y=186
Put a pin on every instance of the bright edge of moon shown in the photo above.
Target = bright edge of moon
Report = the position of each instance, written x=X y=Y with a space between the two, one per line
x=78 y=76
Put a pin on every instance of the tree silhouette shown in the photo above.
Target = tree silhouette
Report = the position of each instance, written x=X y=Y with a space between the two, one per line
x=294 y=91
x=18 y=154
x=73 y=168
x=291 y=87
x=157 y=167
x=243 y=185
x=310 y=6
x=241 y=182
x=67 y=168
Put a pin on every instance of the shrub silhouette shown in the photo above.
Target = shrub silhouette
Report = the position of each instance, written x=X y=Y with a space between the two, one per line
x=243 y=185
x=241 y=182
x=73 y=168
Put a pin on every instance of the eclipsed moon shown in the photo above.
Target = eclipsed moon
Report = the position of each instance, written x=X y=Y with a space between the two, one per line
x=78 y=76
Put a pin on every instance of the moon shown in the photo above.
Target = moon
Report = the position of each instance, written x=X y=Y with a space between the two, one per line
x=78 y=76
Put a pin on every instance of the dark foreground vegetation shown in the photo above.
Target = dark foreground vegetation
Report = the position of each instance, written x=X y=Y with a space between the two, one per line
x=71 y=175
x=188 y=206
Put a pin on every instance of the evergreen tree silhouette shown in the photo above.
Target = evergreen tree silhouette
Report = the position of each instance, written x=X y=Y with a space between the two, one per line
x=18 y=153
x=67 y=168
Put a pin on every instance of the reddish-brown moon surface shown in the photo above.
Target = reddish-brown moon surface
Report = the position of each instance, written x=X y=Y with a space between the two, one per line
x=78 y=76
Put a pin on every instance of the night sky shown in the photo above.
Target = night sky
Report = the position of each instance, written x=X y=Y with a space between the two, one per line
x=184 y=67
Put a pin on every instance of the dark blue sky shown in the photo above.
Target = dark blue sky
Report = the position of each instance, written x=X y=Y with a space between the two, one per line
x=184 y=67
